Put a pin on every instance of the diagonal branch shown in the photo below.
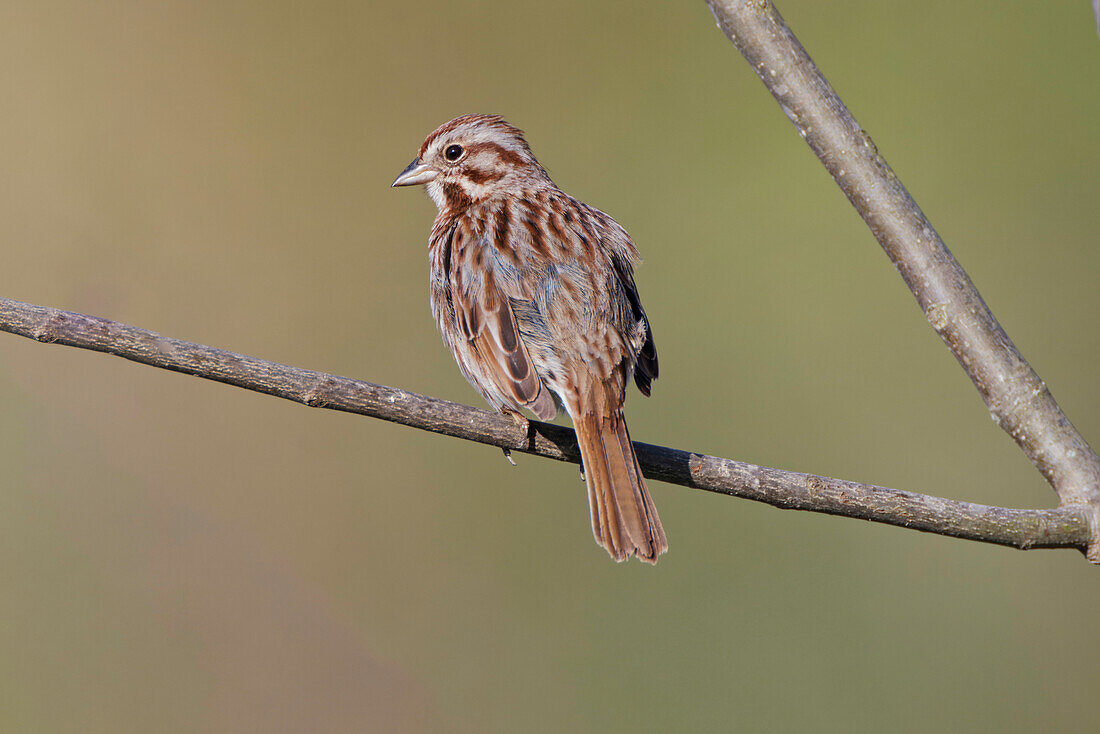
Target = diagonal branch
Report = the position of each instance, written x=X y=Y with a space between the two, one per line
x=1064 y=527
x=1017 y=399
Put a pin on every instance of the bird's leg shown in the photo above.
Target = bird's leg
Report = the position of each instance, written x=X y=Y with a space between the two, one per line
x=521 y=422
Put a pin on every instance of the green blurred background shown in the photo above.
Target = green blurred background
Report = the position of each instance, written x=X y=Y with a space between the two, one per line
x=183 y=556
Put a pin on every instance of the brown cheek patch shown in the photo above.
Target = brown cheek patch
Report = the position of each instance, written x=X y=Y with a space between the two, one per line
x=482 y=176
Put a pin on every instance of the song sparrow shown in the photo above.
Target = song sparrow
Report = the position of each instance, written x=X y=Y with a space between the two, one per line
x=534 y=293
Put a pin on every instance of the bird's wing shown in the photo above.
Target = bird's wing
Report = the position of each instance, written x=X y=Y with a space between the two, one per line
x=484 y=316
x=623 y=256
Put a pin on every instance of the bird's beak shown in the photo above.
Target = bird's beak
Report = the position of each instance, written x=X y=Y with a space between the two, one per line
x=415 y=173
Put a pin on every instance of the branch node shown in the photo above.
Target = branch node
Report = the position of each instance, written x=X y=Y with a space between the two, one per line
x=317 y=396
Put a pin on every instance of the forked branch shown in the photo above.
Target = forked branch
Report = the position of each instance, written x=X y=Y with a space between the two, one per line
x=1017 y=399
x=1065 y=527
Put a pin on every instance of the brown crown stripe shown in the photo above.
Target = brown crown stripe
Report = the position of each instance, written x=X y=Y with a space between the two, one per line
x=452 y=126
x=495 y=121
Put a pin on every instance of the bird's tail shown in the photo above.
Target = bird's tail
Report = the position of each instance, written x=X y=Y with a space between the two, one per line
x=624 y=520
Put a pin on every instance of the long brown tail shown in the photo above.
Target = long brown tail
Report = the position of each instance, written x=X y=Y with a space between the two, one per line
x=624 y=520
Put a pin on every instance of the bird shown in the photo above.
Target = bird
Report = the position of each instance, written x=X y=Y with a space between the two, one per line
x=533 y=292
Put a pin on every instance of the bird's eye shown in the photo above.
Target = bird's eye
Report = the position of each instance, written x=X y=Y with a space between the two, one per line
x=453 y=152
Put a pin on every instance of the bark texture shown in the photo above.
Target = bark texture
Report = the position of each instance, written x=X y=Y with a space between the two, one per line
x=1065 y=527
x=1017 y=399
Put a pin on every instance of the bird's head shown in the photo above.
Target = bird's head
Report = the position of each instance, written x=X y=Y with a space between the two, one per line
x=472 y=158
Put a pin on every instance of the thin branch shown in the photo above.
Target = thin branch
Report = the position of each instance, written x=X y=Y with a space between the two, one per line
x=1065 y=527
x=1017 y=399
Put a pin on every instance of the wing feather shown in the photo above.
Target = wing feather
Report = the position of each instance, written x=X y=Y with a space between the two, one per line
x=485 y=317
